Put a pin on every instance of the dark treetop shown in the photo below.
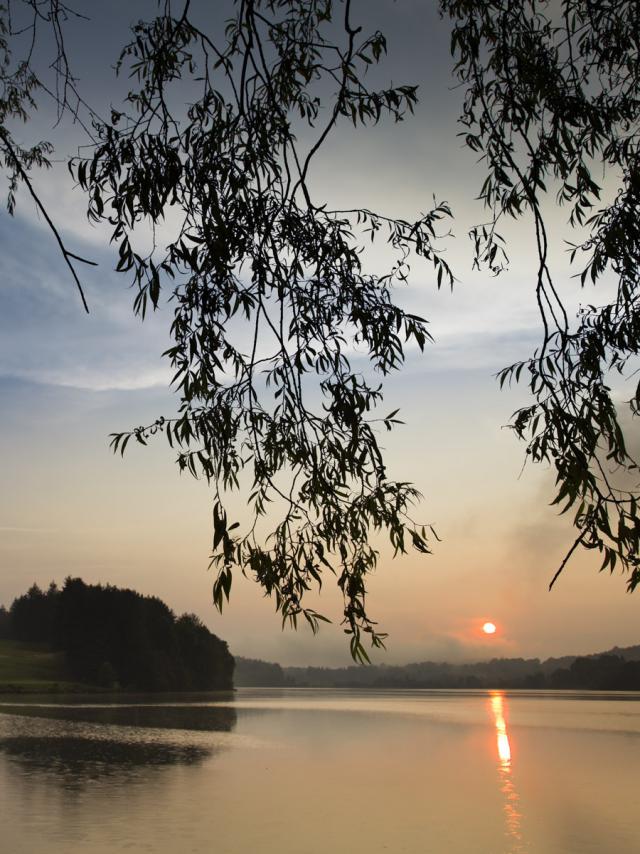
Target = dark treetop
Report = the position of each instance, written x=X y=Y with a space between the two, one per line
x=119 y=638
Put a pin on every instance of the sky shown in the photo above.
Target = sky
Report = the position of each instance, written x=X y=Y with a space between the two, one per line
x=70 y=507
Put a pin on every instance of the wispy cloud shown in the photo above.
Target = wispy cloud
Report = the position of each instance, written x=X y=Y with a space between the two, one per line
x=45 y=336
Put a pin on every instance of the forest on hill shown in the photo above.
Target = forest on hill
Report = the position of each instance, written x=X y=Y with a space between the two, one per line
x=614 y=670
x=117 y=638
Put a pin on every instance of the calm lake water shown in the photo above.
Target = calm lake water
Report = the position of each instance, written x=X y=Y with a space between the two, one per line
x=318 y=772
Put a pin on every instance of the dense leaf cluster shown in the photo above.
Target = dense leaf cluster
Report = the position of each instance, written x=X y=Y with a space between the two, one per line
x=5 y=623
x=553 y=103
x=269 y=290
x=118 y=638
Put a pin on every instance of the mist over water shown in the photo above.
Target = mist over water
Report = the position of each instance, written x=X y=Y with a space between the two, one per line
x=323 y=771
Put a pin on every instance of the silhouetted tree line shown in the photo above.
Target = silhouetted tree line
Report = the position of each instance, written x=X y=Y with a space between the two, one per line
x=616 y=670
x=5 y=623
x=602 y=673
x=254 y=673
x=119 y=638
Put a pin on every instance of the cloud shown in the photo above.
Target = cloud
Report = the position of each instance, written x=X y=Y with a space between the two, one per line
x=46 y=337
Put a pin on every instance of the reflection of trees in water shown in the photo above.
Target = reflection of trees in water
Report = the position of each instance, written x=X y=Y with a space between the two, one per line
x=80 y=744
x=89 y=758
x=201 y=718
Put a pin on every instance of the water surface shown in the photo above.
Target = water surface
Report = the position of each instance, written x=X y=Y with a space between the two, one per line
x=319 y=771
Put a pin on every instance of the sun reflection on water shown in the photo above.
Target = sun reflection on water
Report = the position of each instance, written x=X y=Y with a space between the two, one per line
x=512 y=814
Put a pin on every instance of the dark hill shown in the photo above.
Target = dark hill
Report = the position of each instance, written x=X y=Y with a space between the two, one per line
x=117 y=638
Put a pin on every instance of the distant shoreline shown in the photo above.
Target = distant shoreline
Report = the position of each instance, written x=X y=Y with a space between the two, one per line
x=11 y=695
x=617 y=669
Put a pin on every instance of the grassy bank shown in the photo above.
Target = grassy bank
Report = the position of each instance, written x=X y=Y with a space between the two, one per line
x=34 y=669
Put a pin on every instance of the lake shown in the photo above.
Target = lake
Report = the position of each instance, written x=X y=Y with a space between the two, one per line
x=319 y=771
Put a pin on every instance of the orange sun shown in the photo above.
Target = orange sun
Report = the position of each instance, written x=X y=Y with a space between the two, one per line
x=489 y=628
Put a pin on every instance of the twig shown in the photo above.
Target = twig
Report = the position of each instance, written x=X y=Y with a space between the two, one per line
x=567 y=558
x=65 y=252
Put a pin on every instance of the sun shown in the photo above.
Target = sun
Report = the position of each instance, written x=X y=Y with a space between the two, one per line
x=489 y=628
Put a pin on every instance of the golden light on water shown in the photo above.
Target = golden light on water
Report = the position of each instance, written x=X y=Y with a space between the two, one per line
x=489 y=628
x=504 y=748
x=512 y=814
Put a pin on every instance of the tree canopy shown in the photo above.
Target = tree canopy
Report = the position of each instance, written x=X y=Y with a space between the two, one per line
x=268 y=284
x=119 y=638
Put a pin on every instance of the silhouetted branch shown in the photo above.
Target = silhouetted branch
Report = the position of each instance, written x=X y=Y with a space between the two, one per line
x=66 y=254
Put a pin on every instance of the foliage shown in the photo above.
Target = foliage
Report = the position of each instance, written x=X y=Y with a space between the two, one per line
x=616 y=670
x=114 y=637
x=4 y=623
x=19 y=86
x=32 y=616
x=552 y=98
x=597 y=673
x=269 y=288
x=254 y=673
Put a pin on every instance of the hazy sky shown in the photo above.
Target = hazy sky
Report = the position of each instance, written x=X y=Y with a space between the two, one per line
x=69 y=507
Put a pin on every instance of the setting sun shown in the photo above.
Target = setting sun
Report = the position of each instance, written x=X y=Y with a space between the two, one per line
x=489 y=628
